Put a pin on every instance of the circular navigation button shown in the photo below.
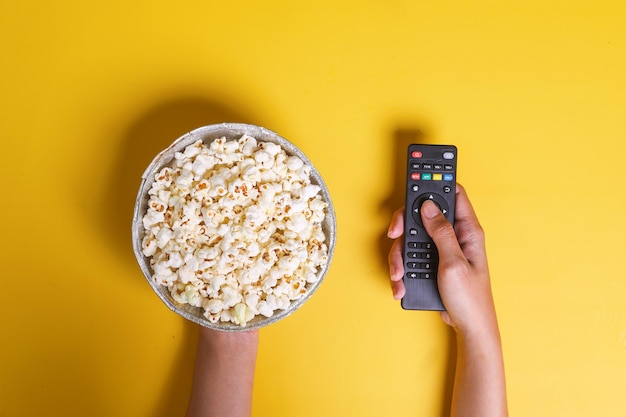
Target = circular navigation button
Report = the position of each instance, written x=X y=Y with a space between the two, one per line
x=435 y=198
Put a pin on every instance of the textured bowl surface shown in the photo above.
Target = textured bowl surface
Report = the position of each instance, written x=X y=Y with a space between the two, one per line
x=231 y=131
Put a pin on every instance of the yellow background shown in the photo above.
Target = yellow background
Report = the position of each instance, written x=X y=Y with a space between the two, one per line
x=532 y=93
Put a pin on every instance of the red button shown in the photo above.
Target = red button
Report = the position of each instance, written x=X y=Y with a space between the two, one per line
x=415 y=176
x=416 y=154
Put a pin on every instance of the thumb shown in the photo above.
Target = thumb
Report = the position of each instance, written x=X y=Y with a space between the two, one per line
x=440 y=230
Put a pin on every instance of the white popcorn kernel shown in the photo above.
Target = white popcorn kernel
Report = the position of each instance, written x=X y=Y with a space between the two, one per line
x=152 y=218
x=184 y=179
x=163 y=237
x=309 y=191
x=269 y=283
x=200 y=166
x=265 y=309
x=213 y=318
x=186 y=274
x=218 y=185
x=288 y=265
x=294 y=163
x=163 y=196
x=165 y=277
x=297 y=222
x=310 y=276
x=231 y=147
x=247 y=145
x=264 y=159
x=192 y=295
x=149 y=246
x=216 y=282
x=251 y=173
x=227 y=315
x=214 y=306
x=175 y=260
x=177 y=295
x=252 y=301
x=193 y=149
x=268 y=176
x=305 y=171
x=283 y=302
x=271 y=148
x=281 y=289
x=164 y=177
x=230 y=296
x=296 y=290
x=218 y=145
x=270 y=300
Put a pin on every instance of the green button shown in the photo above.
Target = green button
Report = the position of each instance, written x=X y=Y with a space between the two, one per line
x=427 y=177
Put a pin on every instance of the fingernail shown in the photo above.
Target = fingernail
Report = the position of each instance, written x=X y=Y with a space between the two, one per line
x=429 y=209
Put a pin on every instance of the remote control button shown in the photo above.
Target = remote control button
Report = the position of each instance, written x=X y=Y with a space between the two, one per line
x=437 y=167
x=447 y=189
x=420 y=275
x=415 y=166
x=448 y=177
x=415 y=176
x=415 y=188
x=413 y=245
x=448 y=167
x=435 y=198
x=427 y=245
x=426 y=176
x=413 y=232
x=416 y=154
x=437 y=177
x=448 y=155
x=419 y=255
x=427 y=166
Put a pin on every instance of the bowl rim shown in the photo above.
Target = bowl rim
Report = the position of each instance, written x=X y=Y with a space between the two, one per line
x=207 y=134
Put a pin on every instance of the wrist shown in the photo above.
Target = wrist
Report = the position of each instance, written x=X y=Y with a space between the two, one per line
x=228 y=342
x=482 y=337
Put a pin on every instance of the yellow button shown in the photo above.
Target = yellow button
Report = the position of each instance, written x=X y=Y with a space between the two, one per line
x=436 y=177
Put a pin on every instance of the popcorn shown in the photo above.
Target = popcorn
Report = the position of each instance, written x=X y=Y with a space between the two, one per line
x=235 y=228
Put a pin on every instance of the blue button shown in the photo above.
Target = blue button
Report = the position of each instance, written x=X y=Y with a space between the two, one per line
x=448 y=177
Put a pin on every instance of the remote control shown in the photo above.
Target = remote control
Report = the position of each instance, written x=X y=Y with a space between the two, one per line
x=431 y=175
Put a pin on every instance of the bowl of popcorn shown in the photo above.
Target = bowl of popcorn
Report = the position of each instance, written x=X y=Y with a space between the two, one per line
x=233 y=227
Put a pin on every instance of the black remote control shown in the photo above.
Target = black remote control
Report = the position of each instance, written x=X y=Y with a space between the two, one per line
x=431 y=175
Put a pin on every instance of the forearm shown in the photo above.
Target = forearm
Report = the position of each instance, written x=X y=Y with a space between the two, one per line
x=479 y=387
x=223 y=374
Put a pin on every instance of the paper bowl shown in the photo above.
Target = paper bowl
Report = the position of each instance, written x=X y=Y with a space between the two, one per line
x=231 y=131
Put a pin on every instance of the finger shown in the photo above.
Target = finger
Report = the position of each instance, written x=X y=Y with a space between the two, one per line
x=464 y=212
x=396 y=228
x=397 y=289
x=396 y=266
x=469 y=233
x=396 y=269
x=441 y=231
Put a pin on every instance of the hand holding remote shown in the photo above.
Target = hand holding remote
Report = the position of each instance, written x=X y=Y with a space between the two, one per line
x=463 y=274
x=464 y=285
